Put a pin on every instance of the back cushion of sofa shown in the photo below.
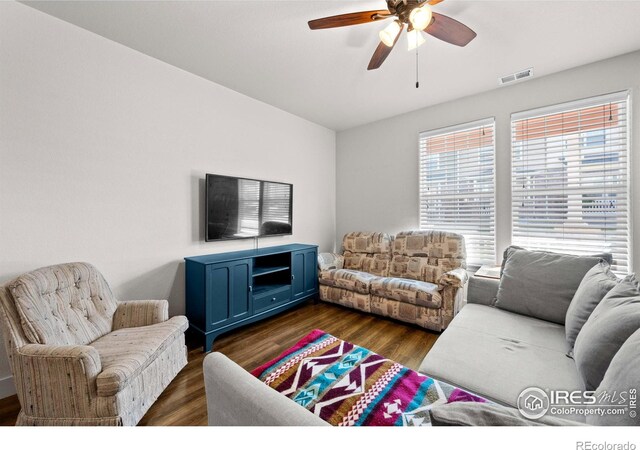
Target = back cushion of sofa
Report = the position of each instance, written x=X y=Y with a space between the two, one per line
x=541 y=284
x=610 y=324
x=353 y=261
x=366 y=242
x=426 y=255
x=622 y=377
x=67 y=304
x=415 y=268
x=377 y=264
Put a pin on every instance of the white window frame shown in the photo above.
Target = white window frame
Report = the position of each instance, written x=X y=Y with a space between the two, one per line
x=488 y=122
x=616 y=97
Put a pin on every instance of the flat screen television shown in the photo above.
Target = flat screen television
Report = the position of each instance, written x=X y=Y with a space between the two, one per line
x=239 y=208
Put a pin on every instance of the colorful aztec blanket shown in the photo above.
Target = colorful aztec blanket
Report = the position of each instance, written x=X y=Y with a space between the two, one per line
x=348 y=385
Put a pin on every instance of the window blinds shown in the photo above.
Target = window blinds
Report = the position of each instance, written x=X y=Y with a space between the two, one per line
x=276 y=198
x=570 y=178
x=457 y=185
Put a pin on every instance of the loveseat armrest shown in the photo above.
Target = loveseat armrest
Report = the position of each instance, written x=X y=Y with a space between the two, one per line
x=327 y=261
x=235 y=397
x=57 y=381
x=482 y=291
x=456 y=278
x=140 y=313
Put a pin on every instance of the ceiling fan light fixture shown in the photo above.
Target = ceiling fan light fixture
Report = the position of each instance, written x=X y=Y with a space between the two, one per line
x=415 y=39
x=390 y=33
x=420 y=17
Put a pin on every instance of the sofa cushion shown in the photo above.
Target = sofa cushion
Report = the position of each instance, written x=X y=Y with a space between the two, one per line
x=444 y=249
x=351 y=280
x=366 y=242
x=377 y=264
x=598 y=281
x=407 y=291
x=622 y=376
x=415 y=268
x=350 y=299
x=66 y=304
x=541 y=284
x=125 y=353
x=497 y=354
x=611 y=323
x=353 y=261
x=472 y=414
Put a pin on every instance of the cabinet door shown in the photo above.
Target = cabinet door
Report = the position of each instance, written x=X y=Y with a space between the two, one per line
x=228 y=298
x=297 y=275
x=310 y=272
x=240 y=281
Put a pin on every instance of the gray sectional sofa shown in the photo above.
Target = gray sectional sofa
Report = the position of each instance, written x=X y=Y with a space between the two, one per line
x=510 y=336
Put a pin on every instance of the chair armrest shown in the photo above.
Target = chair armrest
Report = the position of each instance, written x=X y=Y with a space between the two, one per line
x=327 y=261
x=58 y=381
x=482 y=291
x=456 y=278
x=139 y=313
x=235 y=397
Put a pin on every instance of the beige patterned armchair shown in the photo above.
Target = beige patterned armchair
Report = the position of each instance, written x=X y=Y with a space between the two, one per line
x=81 y=357
x=415 y=277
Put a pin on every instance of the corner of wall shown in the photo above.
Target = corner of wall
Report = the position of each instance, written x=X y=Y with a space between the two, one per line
x=7 y=387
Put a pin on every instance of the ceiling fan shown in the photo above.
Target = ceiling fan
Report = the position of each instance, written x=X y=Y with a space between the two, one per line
x=415 y=14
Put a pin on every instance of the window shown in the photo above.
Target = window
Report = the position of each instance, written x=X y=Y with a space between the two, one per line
x=249 y=207
x=457 y=186
x=276 y=200
x=569 y=178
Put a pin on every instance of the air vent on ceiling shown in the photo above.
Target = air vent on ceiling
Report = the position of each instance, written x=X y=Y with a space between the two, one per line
x=518 y=76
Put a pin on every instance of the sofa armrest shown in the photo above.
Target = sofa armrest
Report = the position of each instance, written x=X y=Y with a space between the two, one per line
x=327 y=261
x=482 y=291
x=139 y=313
x=235 y=397
x=486 y=414
x=57 y=381
x=456 y=278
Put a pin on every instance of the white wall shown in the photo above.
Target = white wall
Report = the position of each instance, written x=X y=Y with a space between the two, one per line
x=377 y=163
x=103 y=151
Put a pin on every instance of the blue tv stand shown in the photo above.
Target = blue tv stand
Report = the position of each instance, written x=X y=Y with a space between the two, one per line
x=227 y=290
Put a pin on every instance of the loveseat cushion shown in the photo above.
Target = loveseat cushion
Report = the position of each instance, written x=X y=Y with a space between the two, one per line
x=377 y=264
x=444 y=249
x=611 y=323
x=597 y=283
x=353 y=261
x=408 y=291
x=125 y=353
x=497 y=354
x=366 y=242
x=541 y=284
x=415 y=268
x=65 y=304
x=351 y=280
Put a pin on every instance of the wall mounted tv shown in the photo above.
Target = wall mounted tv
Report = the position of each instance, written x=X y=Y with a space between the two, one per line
x=239 y=208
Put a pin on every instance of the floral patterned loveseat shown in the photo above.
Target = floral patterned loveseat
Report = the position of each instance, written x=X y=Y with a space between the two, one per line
x=414 y=277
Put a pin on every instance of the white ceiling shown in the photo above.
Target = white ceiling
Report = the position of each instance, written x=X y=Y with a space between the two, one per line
x=264 y=49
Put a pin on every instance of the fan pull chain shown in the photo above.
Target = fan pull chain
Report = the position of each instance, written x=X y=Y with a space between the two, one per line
x=417 y=72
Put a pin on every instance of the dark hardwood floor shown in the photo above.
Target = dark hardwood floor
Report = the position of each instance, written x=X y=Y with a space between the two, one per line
x=183 y=402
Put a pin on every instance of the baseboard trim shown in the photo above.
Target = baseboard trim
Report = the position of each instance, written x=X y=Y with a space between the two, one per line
x=7 y=388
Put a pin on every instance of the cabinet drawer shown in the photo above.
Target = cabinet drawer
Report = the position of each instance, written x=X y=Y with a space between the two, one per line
x=271 y=299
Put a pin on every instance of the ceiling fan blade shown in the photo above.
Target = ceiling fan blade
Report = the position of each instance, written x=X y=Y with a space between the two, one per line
x=450 y=30
x=435 y=2
x=382 y=51
x=344 y=20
